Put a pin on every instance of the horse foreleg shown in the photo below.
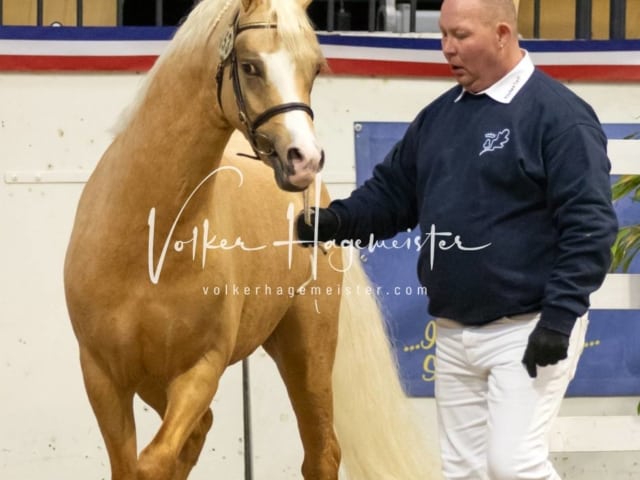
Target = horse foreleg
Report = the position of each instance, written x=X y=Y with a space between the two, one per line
x=192 y=448
x=153 y=392
x=185 y=422
x=113 y=408
x=303 y=347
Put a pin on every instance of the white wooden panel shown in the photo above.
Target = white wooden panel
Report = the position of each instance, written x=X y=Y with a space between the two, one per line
x=625 y=156
x=619 y=291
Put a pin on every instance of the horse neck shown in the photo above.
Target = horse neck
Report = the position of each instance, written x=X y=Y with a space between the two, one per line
x=176 y=138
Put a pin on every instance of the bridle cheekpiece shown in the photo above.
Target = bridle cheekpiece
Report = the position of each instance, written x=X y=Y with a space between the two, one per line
x=261 y=144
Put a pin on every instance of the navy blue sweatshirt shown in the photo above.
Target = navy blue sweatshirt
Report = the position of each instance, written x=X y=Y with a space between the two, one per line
x=513 y=202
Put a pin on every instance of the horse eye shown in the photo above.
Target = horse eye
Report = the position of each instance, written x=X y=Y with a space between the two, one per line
x=249 y=69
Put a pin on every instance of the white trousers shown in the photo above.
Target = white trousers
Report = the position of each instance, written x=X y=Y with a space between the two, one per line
x=493 y=418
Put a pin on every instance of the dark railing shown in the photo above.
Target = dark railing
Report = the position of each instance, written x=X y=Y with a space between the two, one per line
x=584 y=10
x=373 y=15
x=159 y=11
x=583 y=15
x=79 y=12
x=617 y=19
x=39 y=12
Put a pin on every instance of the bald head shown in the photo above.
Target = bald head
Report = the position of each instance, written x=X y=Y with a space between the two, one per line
x=490 y=11
x=480 y=40
x=501 y=11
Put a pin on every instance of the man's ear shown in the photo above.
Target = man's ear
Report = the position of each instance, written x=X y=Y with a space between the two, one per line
x=503 y=33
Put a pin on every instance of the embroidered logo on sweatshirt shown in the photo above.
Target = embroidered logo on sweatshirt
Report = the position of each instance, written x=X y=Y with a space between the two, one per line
x=495 y=141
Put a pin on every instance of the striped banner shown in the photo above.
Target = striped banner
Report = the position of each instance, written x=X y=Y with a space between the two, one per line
x=136 y=48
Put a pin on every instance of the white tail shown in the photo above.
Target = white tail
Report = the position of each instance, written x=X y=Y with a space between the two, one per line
x=379 y=434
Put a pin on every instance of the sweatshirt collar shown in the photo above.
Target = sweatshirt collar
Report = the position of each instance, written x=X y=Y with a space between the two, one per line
x=508 y=86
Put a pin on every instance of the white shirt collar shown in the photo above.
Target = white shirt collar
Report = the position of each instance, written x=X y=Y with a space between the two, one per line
x=508 y=86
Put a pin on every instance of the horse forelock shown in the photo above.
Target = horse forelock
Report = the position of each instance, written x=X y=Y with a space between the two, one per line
x=294 y=30
x=293 y=23
x=290 y=17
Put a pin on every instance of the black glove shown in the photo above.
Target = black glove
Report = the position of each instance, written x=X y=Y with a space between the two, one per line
x=545 y=347
x=328 y=224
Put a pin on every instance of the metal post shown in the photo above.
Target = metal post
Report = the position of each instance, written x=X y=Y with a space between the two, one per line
x=331 y=15
x=246 y=416
x=412 y=15
x=159 y=12
x=536 y=18
x=617 y=19
x=119 y=14
x=79 y=12
x=39 y=15
x=583 y=19
x=372 y=15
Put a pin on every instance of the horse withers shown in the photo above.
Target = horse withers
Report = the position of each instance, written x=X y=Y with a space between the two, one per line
x=180 y=249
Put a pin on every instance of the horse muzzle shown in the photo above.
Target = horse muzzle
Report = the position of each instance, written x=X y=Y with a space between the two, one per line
x=296 y=168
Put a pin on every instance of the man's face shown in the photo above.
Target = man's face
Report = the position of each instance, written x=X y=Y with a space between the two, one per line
x=470 y=43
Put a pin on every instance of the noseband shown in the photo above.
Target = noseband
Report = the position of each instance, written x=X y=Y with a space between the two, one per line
x=261 y=144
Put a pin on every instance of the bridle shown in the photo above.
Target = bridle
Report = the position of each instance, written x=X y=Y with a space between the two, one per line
x=261 y=144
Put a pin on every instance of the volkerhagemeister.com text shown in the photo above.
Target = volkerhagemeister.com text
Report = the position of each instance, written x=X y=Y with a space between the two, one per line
x=314 y=290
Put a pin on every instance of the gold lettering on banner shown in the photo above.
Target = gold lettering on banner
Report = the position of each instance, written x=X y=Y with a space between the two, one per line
x=427 y=344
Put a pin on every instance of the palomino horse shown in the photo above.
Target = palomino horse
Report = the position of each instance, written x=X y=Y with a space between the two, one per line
x=182 y=260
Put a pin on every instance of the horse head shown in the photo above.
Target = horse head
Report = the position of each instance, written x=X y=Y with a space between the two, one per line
x=269 y=57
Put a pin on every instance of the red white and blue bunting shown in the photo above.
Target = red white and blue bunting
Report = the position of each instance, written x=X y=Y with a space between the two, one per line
x=136 y=49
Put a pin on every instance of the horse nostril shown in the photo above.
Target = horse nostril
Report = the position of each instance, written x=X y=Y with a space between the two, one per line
x=294 y=154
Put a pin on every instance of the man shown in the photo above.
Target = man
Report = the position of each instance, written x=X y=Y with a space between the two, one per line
x=514 y=165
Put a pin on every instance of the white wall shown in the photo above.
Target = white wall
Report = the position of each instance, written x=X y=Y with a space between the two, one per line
x=53 y=129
